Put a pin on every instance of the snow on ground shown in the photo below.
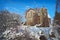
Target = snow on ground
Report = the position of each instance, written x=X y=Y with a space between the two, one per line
x=33 y=30
x=29 y=32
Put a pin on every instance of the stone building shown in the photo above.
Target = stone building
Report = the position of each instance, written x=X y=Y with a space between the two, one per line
x=37 y=16
x=31 y=17
x=44 y=19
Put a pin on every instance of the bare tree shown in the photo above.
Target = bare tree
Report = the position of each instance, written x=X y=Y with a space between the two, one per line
x=8 y=20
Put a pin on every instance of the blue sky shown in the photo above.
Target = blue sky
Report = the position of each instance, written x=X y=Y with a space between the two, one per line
x=20 y=6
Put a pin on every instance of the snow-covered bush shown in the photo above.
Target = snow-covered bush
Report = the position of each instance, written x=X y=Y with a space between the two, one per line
x=26 y=33
x=31 y=33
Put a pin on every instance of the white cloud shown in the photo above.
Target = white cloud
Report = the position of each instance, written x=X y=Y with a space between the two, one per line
x=27 y=7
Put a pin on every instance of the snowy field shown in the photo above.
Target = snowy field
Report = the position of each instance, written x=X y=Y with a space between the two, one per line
x=28 y=32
